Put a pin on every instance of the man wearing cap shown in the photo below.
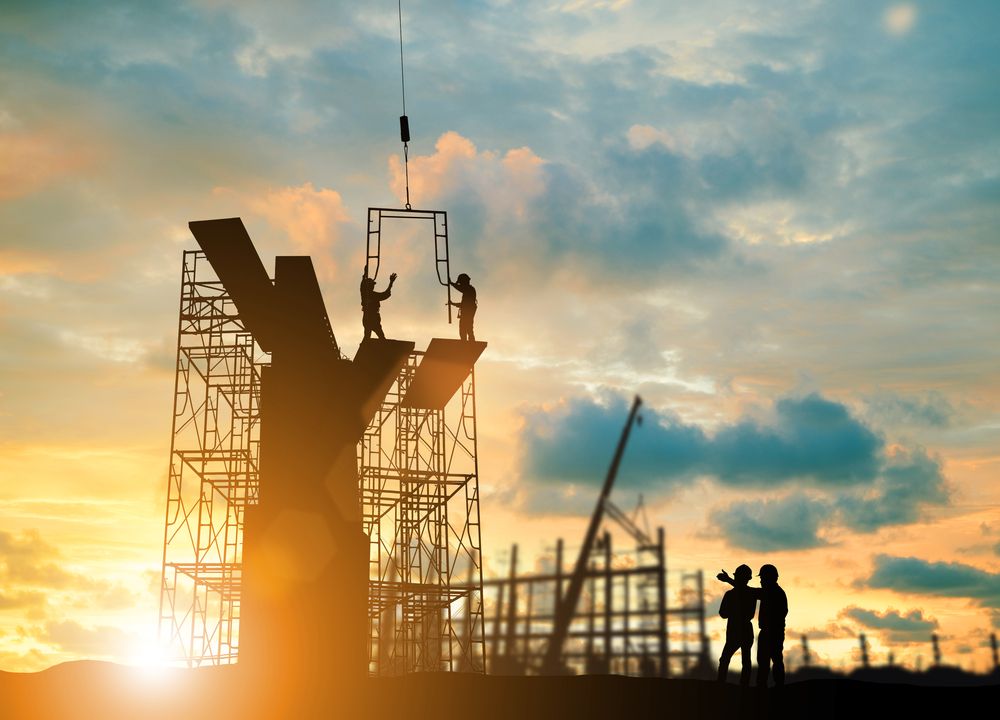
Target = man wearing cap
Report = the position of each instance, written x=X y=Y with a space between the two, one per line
x=738 y=607
x=466 y=308
x=771 y=621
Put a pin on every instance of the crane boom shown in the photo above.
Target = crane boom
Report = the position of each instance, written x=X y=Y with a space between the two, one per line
x=552 y=663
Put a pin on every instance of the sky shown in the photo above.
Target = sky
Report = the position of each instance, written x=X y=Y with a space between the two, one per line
x=776 y=221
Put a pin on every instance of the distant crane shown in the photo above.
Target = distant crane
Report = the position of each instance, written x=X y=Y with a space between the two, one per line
x=864 y=650
x=629 y=525
x=566 y=608
x=936 y=647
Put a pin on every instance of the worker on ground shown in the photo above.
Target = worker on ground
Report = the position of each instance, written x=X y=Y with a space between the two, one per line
x=738 y=607
x=771 y=621
x=371 y=302
x=466 y=308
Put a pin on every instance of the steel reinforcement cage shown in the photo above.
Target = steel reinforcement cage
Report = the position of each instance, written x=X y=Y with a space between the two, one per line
x=420 y=506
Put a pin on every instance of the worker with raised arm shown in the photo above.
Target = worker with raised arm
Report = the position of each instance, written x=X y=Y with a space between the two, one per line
x=371 y=302
x=738 y=607
x=466 y=308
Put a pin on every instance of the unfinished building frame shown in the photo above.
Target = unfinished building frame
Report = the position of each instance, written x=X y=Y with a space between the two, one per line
x=420 y=508
x=627 y=623
x=213 y=473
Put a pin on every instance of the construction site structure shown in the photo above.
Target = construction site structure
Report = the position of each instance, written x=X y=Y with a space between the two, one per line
x=630 y=620
x=420 y=507
x=214 y=469
x=284 y=537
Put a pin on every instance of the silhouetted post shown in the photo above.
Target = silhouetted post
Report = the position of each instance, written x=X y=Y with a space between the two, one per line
x=589 y=662
x=806 y=657
x=526 y=639
x=511 y=636
x=661 y=602
x=993 y=645
x=626 y=613
x=467 y=664
x=891 y=660
x=559 y=578
x=497 y=622
x=864 y=650
x=936 y=648
x=607 y=601
x=702 y=634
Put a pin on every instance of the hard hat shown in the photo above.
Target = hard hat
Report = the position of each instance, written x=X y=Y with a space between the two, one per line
x=768 y=572
x=462 y=279
x=743 y=572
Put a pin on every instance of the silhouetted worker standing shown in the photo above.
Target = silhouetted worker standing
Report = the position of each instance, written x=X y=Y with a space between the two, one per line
x=466 y=308
x=738 y=607
x=371 y=302
x=771 y=621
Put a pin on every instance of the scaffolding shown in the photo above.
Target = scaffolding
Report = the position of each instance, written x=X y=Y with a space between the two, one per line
x=213 y=473
x=418 y=488
x=420 y=506
x=626 y=622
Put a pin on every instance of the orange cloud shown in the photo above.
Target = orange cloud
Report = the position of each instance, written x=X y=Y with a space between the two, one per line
x=312 y=219
x=508 y=181
x=31 y=160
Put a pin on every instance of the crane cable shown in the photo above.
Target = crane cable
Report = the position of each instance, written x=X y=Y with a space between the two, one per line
x=404 y=122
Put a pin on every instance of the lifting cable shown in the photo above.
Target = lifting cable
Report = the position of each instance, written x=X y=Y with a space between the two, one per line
x=404 y=122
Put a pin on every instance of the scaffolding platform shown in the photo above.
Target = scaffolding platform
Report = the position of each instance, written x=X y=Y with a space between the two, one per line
x=445 y=366
x=377 y=364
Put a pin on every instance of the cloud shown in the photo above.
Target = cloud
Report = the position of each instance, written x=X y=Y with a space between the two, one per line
x=574 y=442
x=22 y=600
x=532 y=217
x=29 y=161
x=808 y=442
x=30 y=571
x=933 y=410
x=830 y=631
x=789 y=523
x=811 y=439
x=897 y=628
x=909 y=482
x=941 y=579
x=314 y=221
x=28 y=559
x=102 y=641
